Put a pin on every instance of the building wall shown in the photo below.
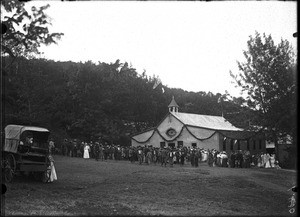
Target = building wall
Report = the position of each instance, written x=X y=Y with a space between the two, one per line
x=214 y=142
x=254 y=144
x=189 y=139
x=185 y=137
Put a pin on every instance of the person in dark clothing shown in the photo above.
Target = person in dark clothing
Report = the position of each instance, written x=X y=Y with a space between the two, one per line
x=163 y=155
x=131 y=155
x=74 y=151
x=192 y=156
x=232 y=160
x=215 y=158
x=97 y=151
x=210 y=158
x=196 y=158
x=106 y=151
x=239 y=159
x=182 y=157
x=64 y=147
x=177 y=154
x=72 y=144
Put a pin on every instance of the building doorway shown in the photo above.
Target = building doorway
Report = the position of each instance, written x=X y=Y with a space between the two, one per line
x=171 y=145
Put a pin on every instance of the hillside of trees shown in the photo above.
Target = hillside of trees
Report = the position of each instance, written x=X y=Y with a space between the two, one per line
x=107 y=100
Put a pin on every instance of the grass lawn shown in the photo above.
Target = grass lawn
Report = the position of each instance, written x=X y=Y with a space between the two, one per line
x=88 y=187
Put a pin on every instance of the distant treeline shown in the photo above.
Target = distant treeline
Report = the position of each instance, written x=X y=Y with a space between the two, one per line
x=88 y=100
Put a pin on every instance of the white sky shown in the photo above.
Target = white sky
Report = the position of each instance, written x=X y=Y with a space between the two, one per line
x=189 y=45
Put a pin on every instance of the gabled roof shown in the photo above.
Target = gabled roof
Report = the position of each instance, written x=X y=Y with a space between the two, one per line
x=205 y=121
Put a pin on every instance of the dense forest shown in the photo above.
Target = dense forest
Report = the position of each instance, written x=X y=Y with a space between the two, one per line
x=107 y=100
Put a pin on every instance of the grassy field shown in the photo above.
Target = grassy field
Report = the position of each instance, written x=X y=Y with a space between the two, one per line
x=88 y=187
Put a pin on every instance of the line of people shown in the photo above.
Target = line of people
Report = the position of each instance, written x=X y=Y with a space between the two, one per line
x=167 y=155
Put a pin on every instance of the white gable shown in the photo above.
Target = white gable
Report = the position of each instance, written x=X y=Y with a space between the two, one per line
x=168 y=123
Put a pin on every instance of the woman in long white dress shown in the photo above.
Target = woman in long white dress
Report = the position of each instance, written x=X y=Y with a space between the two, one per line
x=86 y=149
x=272 y=160
x=267 y=165
x=53 y=175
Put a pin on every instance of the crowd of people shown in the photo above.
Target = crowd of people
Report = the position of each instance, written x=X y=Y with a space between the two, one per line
x=167 y=155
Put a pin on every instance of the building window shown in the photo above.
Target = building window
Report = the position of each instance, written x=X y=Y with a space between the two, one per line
x=162 y=144
x=239 y=145
x=248 y=144
x=224 y=145
x=180 y=144
x=254 y=144
x=231 y=144
x=260 y=144
x=194 y=145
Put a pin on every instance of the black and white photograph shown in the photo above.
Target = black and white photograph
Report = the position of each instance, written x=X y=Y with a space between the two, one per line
x=149 y=108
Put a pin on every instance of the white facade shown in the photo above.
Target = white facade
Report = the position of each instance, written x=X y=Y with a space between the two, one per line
x=203 y=131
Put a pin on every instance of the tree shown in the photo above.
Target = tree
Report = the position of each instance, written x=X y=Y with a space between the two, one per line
x=268 y=76
x=26 y=31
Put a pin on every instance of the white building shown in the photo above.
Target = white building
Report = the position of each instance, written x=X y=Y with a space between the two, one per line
x=203 y=131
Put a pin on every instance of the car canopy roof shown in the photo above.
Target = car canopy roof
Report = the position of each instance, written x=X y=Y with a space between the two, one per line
x=15 y=131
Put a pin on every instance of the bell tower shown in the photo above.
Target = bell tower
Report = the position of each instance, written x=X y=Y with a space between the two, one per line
x=173 y=107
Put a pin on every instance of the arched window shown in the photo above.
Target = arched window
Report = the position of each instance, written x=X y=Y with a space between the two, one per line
x=239 y=145
x=231 y=144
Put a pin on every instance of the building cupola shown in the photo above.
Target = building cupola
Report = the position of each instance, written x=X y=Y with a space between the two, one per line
x=173 y=107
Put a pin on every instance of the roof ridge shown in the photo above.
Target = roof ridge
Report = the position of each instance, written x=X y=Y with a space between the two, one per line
x=200 y=114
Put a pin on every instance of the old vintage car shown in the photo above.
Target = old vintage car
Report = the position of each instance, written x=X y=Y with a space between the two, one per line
x=25 y=151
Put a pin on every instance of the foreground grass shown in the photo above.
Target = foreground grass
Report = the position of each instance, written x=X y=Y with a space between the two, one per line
x=87 y=187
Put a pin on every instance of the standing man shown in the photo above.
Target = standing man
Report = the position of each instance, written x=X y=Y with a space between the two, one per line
x=196 y=158
x=164 y=155
x=64 y=147
x=210 y=158
x=101 y=152
x=130 y=154
x=171 y=157
x=97 y=150
x=192 y=155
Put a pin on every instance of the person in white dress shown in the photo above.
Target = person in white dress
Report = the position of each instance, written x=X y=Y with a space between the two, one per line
x=259 y=160
x=204 y=155
x=272 y=160
x=53 y=175
x=267 y=161
x=86 y=149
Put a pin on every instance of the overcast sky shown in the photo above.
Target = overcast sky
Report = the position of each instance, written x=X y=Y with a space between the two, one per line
x=189 y=45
